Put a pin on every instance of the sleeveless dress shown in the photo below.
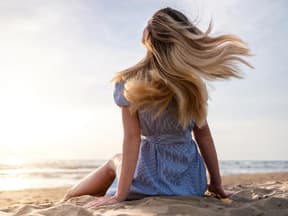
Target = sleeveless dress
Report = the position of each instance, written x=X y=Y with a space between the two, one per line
x=169 y=162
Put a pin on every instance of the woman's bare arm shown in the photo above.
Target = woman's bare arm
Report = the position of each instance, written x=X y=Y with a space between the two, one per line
x=206 y=145
x=130 y=151
x=205 y=142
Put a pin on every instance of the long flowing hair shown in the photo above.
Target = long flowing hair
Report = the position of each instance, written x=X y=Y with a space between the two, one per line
x=179 y=58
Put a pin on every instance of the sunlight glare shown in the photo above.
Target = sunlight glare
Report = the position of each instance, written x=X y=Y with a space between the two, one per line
x=14 y=161
x=14 y=184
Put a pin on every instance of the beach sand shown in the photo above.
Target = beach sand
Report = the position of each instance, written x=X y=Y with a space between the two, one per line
x=256 y=194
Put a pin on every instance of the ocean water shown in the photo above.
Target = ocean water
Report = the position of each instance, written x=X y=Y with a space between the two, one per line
x=59 y=173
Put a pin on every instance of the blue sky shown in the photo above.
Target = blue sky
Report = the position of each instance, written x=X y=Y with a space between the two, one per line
x=57 y=59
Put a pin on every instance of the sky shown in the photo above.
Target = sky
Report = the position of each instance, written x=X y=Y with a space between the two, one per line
x=57 y=58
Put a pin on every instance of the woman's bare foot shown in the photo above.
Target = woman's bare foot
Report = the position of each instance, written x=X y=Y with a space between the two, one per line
x=67 y=196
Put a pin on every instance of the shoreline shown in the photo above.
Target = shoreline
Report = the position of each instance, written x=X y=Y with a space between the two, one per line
x=272 y=183
x=226 y=179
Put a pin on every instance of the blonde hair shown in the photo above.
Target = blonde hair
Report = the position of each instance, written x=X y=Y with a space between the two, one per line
x=179 y=56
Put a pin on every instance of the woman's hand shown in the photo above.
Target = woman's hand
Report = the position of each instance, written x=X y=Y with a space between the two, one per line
x=103 y=200
x=219 y=191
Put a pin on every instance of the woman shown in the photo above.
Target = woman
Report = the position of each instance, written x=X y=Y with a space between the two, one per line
x=163 y=99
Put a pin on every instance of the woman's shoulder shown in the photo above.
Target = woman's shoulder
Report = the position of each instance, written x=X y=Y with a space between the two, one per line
x=118 y=93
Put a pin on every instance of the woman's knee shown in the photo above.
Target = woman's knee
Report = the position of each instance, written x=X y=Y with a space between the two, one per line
x=114 y=162
x=117 y=157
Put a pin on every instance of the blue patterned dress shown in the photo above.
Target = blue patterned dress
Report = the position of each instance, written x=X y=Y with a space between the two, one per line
x=169 y=162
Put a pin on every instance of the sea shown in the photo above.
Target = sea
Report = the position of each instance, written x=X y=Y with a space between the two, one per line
x=62 y=173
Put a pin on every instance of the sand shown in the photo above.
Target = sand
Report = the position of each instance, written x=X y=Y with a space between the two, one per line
x=256 y=194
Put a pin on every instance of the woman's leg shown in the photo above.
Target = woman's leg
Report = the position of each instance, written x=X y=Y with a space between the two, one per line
x=97 y=182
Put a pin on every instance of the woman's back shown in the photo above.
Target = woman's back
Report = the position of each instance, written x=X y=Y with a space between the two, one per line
x=164 y=124
x=168 y=162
